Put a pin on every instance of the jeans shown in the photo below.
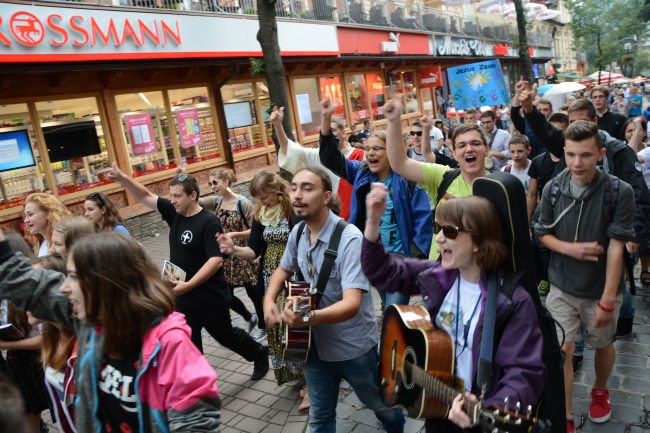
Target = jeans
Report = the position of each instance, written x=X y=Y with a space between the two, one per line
x=362 y=373
x=391 y=298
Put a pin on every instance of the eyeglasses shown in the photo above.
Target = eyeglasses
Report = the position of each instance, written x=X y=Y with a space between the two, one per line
x=475 y=144
x=374 y=148
x=212 y=182
x=449 y=231
x=416 y=133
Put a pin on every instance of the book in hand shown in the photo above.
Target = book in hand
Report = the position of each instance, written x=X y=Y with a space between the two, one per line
x=171 y=269
x=9 y=332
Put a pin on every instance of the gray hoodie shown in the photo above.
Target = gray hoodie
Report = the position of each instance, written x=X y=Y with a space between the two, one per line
x=584 y=219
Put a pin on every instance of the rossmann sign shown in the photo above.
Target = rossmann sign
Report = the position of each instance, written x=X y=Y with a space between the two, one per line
x=30 y=33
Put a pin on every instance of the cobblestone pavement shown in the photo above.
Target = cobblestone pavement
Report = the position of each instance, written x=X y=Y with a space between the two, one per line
x=262 y=406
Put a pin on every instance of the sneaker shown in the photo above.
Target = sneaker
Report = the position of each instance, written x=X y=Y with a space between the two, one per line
x=252 y=323
x=577 y=362
x=260 y=335
x=543 y=288
x=624 y=326
x=570 y=426
x=261 y=365
x=599 y=410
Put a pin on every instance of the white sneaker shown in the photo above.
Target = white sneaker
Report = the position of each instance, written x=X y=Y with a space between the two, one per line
x=260 y=335
x=252 y=323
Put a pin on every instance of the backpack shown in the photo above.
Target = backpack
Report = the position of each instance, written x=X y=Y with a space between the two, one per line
x=240 y=210
x=610 y=199
x=507 y=195
x=447 y=179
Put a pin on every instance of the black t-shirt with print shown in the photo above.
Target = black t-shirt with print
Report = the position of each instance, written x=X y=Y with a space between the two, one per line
x=191 y=243
x=118 y=410
x=543 y=168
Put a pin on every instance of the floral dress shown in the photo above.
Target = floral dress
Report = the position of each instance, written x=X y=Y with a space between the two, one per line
x=238 y=272
x=276 y=238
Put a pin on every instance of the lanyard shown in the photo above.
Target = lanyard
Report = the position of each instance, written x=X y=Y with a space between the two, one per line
x=467 y=324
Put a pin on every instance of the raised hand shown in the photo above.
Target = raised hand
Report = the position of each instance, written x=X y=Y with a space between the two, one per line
x=426 y=122
x=327 y=107
x=113 y=173
x=392 y=109
x=277 y=115
x=376 y=201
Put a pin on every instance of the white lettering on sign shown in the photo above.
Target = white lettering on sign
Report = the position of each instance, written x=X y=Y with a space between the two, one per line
x=461 y=47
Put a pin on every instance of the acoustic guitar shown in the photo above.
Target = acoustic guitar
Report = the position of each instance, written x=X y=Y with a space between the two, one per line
x=416 y=364
x=297 y=341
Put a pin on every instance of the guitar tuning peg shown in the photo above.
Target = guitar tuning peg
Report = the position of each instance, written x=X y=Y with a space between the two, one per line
x=517 y=408
x=529 y=410
x=505 y=403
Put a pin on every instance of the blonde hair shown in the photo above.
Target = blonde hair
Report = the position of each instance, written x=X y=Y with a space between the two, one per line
x=224 y=174
x=267 y=182
x=49 y=204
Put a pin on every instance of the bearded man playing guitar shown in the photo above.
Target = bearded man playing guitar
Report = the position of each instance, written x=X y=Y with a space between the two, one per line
x=344 y=331
x=454 y=295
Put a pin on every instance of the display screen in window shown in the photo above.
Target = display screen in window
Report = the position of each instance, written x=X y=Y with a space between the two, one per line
x=71 y=140
x=238 y=114
x=15 y=150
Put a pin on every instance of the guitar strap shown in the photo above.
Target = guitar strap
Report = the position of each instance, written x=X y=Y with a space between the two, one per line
x=329 y=257
x=484 y=371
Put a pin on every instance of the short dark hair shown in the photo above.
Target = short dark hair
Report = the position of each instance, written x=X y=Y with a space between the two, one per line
x=488 y=113
x=545 y=102
x=467 y=127
x=471 y=111
x=559 y=118
x=583 y=104
x=188 y=182
x=322 y=174
x=581 y=130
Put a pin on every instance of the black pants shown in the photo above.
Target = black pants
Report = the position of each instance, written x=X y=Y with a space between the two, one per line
x=215 y=319
x=445 y=426
x=255 y=295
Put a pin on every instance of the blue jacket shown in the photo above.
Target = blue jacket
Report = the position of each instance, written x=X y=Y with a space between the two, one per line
x=411 y=204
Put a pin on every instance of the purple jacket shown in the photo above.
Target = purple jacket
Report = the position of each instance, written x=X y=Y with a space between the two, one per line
x=518 y=370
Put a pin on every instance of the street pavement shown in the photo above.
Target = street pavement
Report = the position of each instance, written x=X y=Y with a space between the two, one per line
x=264 y=407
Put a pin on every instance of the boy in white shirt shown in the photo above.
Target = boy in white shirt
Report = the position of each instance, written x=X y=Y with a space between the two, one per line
x=519 y=148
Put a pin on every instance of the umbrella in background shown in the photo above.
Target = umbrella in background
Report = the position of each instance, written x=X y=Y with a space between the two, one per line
x=623 y=80
x=565 y=87
x=545 y=88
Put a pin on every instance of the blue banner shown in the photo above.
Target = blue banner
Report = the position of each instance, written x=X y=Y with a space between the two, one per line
x=478 y=84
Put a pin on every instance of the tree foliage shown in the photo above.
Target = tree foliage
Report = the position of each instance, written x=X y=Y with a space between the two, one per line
x=599 y=27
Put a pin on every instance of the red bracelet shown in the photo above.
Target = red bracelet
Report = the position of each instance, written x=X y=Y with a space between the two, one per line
x=605 y=308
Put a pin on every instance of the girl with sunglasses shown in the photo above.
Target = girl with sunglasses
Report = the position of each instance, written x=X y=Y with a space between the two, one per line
x=137 y=368
x=235 y=213
x=100 y=210
x=454 y=292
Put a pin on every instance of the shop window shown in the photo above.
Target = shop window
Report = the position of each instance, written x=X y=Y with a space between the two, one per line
x=358 y=97
x=309 y=92
x=403 y=83
x=75 y=142
x=146 y=131
x=244 y=123
x=21 y=169
x=265 y=108
x=195 y=126
x=376 y=94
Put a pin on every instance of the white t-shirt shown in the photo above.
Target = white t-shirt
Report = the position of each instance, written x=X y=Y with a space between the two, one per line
x=522 y=175
x=43 y=250
x=434 y=136
x=645 y=167
x=298 y=157
x=468 y=312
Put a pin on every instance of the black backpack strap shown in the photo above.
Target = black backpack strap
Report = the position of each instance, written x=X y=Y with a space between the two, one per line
x=611 y=194
x=447 y=180
x=240 y=209
x=217 y=203
x=301 y=227
x=330 y=257
x=554 y=193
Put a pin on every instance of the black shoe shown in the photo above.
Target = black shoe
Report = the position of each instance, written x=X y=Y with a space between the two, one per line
x=624 y=326
x=261 y=365
x=577 y=362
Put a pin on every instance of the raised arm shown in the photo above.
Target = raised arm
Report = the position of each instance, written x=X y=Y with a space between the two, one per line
x=276 y=118
x=427 y=152
x=329 y=152
x=546 y=133
x=399 y=162
x=138 y=191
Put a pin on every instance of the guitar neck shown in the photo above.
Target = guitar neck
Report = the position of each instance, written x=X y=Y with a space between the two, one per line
x=443 y=392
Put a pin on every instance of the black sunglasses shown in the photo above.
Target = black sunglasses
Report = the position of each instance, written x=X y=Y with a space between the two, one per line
x=449 y=231
x=416 y=133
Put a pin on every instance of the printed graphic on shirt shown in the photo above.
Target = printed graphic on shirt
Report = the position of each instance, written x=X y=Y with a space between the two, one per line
x=120 y=386
x=118 y=409
x=186 y=237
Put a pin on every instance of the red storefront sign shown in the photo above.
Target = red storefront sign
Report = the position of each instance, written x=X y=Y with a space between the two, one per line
x=430 y=77
x=363 y=41
x=501 y=50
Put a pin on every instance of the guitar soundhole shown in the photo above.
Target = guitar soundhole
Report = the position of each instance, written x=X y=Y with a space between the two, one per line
x=410 y=358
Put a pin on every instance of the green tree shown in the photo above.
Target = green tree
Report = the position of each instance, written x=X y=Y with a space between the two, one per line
x=522 y=44
x=599 y=26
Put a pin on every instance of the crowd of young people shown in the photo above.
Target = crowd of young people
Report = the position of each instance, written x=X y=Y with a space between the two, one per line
x=127 y=345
